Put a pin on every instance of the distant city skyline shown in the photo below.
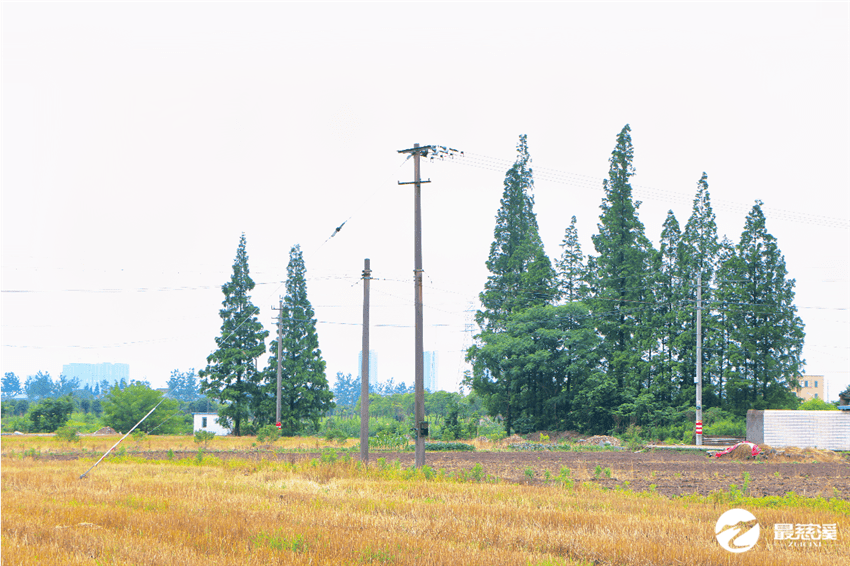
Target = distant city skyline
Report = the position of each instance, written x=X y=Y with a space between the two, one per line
x=93 y=374
x=373 y=366
x=430 y=373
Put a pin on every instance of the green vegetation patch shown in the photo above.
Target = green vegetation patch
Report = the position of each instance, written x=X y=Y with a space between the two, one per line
x=448 y=447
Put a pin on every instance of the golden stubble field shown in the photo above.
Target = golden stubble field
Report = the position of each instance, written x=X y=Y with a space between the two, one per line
x=209 y=511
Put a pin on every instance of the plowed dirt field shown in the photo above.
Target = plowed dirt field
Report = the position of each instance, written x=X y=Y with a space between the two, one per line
x=671 y=472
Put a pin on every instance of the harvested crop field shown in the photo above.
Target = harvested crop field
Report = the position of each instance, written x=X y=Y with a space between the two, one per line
x=262 y=505
x=666 y=472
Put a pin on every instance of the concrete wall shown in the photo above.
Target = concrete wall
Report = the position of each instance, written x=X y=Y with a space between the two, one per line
x=803 y=429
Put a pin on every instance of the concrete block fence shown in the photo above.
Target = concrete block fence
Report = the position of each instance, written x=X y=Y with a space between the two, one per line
x=828 y=430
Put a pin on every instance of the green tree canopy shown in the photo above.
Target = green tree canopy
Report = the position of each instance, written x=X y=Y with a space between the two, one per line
x=619 y=281
x=305 y=394
x=183 y=385
x=39 y=386
x=123 y=408
x=765 y=334
x=572 y=271
x=521 y=276
x=51 y=413
x=11 y=384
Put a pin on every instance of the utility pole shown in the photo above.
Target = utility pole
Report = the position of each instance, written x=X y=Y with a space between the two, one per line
x=279 y=341
x=420 y=427
x=364 y=369
x=699 y=358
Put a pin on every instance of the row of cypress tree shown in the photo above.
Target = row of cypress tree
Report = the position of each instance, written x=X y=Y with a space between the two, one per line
x=597 y=343
x=249 y=394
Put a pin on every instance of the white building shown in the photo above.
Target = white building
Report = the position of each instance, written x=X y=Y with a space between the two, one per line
x=208 y=422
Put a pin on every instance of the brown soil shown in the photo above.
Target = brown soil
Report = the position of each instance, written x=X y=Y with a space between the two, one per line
x=671 y=472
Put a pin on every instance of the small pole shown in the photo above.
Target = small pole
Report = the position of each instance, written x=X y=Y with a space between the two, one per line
x=279 y=361
x=364 y=368
x=699 y=359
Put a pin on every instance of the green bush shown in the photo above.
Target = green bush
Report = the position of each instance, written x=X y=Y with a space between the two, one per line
x=727 y=427
x=816 y=405
x=388 y=441
x=12 y=424
x=268 y=434
x=204 y=436
x=67 y=434
x=84 y=422
x=448 y=446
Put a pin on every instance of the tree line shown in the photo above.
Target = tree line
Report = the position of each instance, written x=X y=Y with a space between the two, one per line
x=602 y=342
x=594 y=343
x=51 y=404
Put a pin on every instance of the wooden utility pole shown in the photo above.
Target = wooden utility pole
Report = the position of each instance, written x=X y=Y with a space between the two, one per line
x=364 y=369
x=279 y=341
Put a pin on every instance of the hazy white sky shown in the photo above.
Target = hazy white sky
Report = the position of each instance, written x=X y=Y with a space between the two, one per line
x=140 y=139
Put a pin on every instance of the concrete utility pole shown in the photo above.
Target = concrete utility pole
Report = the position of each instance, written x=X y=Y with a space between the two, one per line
x=364 y=369
x=699 y=359
x=279 y=340
x=420 y=427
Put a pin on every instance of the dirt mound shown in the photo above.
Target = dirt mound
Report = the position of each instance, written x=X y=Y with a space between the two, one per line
x=557 y=435
x=107 y=430
x=599 y=439
x=742 y=452
x=793 y=454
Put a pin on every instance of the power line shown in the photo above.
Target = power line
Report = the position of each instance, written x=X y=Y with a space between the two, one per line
x=652 y=193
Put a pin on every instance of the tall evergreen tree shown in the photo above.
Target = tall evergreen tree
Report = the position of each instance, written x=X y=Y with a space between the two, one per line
x=231 y=375
x=572 y=271
x=698 y=263
x=766 y=333
x=521 y=276
x=619 y=283
x=720 y=340
x=670 y=295
x=520 y=273
x=305 y=394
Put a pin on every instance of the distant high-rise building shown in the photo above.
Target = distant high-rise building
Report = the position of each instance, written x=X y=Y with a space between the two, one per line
x=430 y=373
x=373 y=366
x=93 y=374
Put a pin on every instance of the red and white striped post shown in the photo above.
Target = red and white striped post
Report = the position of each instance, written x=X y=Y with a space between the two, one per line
x=699 y=433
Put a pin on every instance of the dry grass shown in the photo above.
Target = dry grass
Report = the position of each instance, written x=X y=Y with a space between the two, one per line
x=213 y=512
x=48 y=444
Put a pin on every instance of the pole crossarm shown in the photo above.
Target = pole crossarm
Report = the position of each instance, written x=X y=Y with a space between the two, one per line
x=433 y=151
